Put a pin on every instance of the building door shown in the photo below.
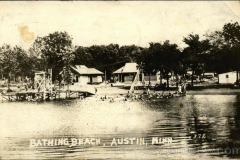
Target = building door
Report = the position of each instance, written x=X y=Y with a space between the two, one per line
x=90 y=79
x=76 y=78
x=140 y=77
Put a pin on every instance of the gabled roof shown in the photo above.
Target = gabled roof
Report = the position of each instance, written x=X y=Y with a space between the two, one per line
x=130 y=67
x=82 y=69
x=229 y=72
x=119 y=70
x=80 y=66
x=94 y=71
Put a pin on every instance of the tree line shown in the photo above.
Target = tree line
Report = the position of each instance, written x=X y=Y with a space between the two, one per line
x=218 y=52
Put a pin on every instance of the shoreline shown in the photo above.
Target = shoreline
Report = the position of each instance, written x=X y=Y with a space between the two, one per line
x=113 y=91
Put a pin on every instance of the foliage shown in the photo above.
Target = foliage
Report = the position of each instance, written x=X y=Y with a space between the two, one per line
x=225 y=48
x=195 y=55
x=165 y=58
x=82 y=56
x=15 y=61
x=218 y=52
x=145 y=61
x=55 y=50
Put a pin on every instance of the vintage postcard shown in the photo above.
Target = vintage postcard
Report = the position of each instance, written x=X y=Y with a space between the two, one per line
x=119 y=80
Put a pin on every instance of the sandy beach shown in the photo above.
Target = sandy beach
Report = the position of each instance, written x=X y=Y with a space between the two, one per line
x=107 y=89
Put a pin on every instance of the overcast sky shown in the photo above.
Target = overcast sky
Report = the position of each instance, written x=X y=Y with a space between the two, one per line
x=125 y=23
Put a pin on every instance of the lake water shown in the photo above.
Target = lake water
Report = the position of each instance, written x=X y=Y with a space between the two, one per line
x=190 y=127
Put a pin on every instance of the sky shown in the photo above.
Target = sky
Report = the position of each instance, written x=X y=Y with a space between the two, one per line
x=121 y=22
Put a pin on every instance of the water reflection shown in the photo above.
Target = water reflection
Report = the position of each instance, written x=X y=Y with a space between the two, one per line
x=201 y=126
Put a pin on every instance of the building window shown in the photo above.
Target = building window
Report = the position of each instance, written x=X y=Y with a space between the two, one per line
x=227 y=76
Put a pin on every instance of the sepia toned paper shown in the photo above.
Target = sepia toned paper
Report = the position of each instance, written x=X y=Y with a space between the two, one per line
x=204 y=124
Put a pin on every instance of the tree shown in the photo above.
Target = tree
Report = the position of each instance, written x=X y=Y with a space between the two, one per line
x=67 y=59
x=165 y=58
x=130 y=53
x=9 y=61
x=225 y=48
x=24 y=65
x=83 y=56
x=54 y=49
x=193 y=53
x=145 y=61
x=218 y=53
x=231 y=34
x=105 y=58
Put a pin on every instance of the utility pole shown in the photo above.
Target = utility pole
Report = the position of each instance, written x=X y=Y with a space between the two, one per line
x=64 y=68
x=105 y=79
x=44 y=85
x=51 y=81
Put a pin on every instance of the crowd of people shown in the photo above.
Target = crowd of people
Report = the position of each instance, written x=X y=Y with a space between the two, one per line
x=149 y=94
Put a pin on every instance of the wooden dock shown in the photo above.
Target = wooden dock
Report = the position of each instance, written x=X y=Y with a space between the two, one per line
x=34 y=95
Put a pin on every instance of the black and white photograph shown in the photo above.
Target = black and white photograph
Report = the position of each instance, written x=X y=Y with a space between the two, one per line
x=119 y=80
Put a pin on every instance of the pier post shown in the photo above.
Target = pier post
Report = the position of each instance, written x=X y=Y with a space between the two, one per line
x=44 y=87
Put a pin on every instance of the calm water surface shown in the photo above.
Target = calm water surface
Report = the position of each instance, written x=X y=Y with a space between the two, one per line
x=201 y=126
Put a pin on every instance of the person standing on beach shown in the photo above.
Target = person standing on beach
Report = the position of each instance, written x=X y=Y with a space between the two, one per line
x=180 y=88
x=148 y=91
x=95 y=90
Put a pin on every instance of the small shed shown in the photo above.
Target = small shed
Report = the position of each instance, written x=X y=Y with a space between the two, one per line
x=227 y=78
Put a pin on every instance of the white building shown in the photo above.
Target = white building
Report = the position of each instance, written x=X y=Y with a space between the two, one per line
x=227 y=78
x=127 y=73
x=84 y=75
